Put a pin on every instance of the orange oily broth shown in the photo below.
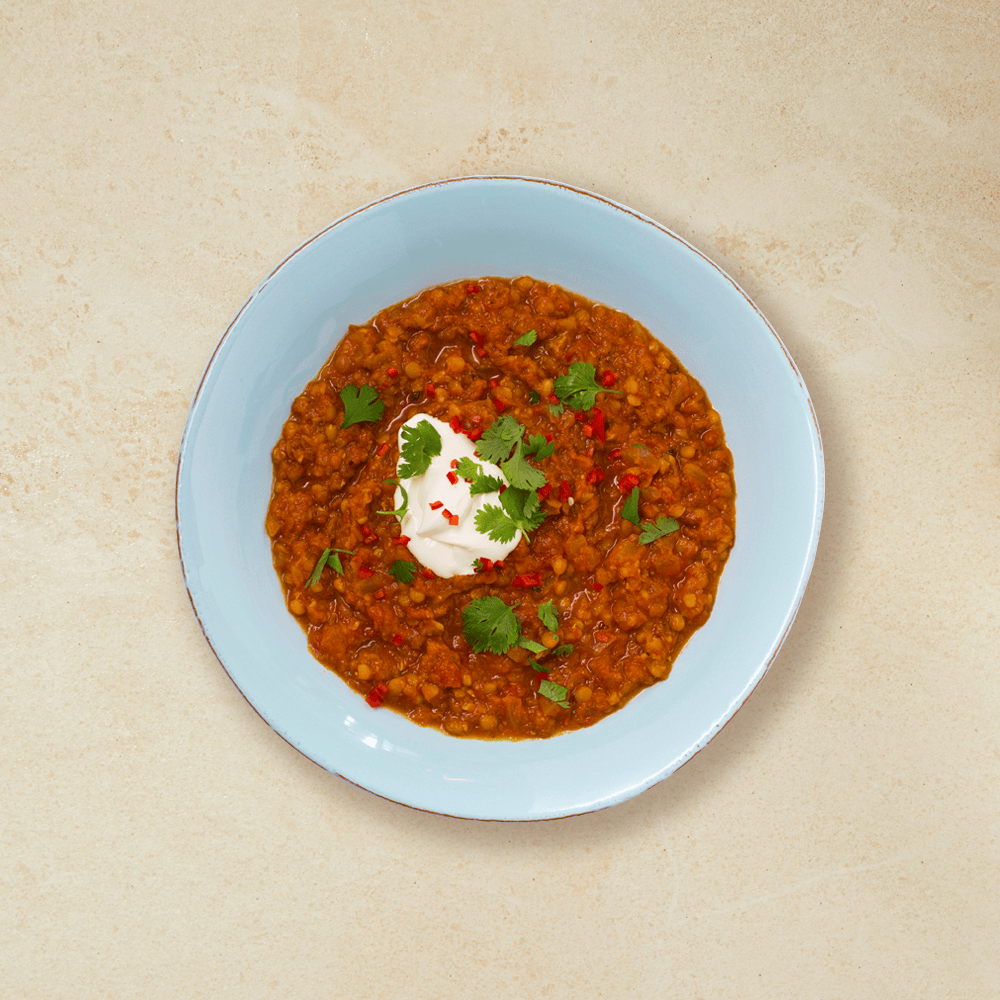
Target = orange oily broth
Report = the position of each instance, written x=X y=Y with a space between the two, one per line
x=627 y=608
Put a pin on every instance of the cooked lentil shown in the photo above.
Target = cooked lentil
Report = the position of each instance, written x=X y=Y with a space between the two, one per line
x=627 y=608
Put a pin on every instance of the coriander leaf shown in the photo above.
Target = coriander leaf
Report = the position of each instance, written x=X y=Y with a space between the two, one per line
x=563 y=650
x=527 y=340
x=579 y=388
x=485 y=484
x=495 y=524
x=548 y=616
x=630 y=512
x=333 y=561
x=663 y=526
x=531 y=646
x=468 y=469
x=403 y=570
x=498 y=439
x=533 y=397
x=539 y=446
x=421 y=442
x=406 y=501
x=318 y=568
x=519 y=473
x=554 y=692
x=537 y=666
x=523 y=508
x=490 y=625
x=360 y=405
x=555 y=409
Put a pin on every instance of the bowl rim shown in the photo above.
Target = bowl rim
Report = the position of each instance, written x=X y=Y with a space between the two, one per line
x=818 y=494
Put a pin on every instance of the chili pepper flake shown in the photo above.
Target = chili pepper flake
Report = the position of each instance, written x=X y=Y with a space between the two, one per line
x=436 y=505
x=527 y=580
x=500 y=404
x=453 y=520
x=596 y=476
x=376 y=696
x=453 y=478
x=564 y=491
x=378 y=595
x=477 y=337
x=608 y=379
x=428 y=574
x=430 y=387
x=401 y=540
x=472 y=289
x=392 y=372
x=447 y=514
x=628 y=482
x=397 y=640
x=544 y=491
x=364 y=572
x=598 y=422
x=382 y=449
x=598 y=586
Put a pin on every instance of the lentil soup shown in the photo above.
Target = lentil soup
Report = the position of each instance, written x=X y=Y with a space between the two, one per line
x=620 y=549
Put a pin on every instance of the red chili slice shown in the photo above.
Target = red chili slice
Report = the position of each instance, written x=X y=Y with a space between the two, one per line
x=429 y=574
x=598 y=586
x=364 y=572
x=453 y=520
x=382 y=449
x=378 y=595
x=595 y=476
x=628 y=482
x=454 y=463
x=401 y=540
x=430 y=388
x=588 y=430
x=598 y=422
x=485 y=564
x=453 y=478
x=475 y=435
x=498 y=564
x=477 y=337
x=608 y=379
x=564 y=491
x=544 y=491
x=447 y=514
x=392 y=372
x=376 y=696
x=397 y=640
x=436 y=505
x=472 y=289
x=614 y=454
x=553 y=399
x=500 y=404
x=494 y=382
x=550 y=438
x=455 y=424
x=527 y=580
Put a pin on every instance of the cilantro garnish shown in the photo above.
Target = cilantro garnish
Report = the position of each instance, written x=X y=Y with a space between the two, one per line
x=539 y=446
x=490 y=625
x=556 y=409
x=519 y=473
x=406 y=501
x=360 y=405
x=328 y=558
x=533 y=397
x=535 y=665
x=531 y=646
x=498 y=439
x=519 y=509
x=481 y=483
x=630 y=512
x=554 y=692
x=663 y=526
x=421 y=443
x=563 y=650
x=579 y=388
x=527 y=340
x=403 y=570
x=548 y=616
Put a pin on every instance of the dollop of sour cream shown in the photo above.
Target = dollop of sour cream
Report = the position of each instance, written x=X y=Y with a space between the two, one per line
x=449 y=550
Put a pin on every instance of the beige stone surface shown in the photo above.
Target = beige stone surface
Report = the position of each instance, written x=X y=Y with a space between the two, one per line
x=839 y=838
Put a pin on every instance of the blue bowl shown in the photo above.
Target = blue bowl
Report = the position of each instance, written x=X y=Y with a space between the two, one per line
x=389 y=251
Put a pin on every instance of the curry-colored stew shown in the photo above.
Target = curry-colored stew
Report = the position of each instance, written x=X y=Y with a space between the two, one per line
x=625 y=607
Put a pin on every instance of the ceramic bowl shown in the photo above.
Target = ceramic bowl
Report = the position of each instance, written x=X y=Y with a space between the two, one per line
x=389 y=251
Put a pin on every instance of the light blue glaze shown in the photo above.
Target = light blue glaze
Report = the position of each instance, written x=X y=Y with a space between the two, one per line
x=389 y=251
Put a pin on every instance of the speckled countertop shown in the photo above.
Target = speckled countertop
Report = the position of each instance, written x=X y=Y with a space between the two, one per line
x=838 y=839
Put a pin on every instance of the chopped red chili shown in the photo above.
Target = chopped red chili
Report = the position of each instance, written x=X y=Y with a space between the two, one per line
x=447 y=514
x=553 y=399
x=430 y=388
x=500 y=404
x=498 y=564
x=397 y=640
x=382 y=449
x=477 y=337
x=429 y=574
x=401 y=540
x=475 y=435
x=494 y=382
x=550 y=438
x=456 y=424
x=588 y=430
x=453 y=478
x=436 y=505
x=392 y=372
x=454 y=463
x=527 y=580
x=598 y=421
x=598 y=586
x=581 y=416
x=544 y=491
x=608 y=379
x=376 y=696
x=378 y=595
x=614 y=454
x=564 y=491
x=453 y=520
x=595 y=476
x=472 y=289
x=628 y=482
x=364 y=572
